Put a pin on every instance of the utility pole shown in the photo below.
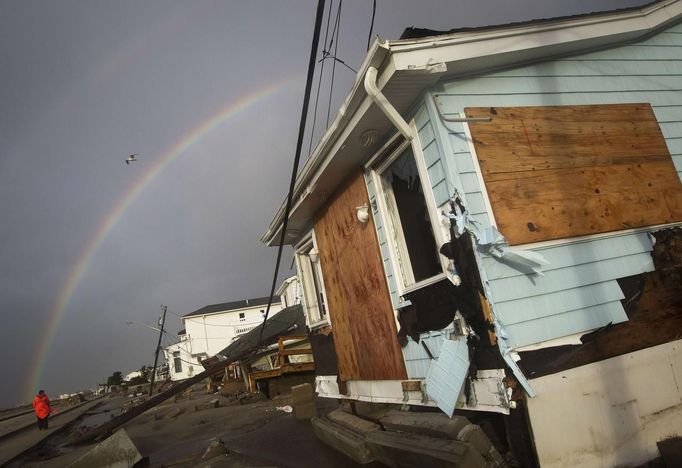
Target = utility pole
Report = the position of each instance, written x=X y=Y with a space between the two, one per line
x=158 y=347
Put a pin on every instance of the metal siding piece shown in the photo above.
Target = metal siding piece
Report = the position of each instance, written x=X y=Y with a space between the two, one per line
x=426 y=136
x=586 y=67
x=431 y=154
x=568 y=278
x=675 y=145
x=677 y=160
x=458 y=140
x=436 y=173
x=568 y=300
x=464 y=162
x=511 y=98
x=417 y=359
x=422 y=117
x=672 y=129
x=447 y=374
x=470 y=182
x=557 y=326
x=441 y=192
x=568 y=84
x=668 y=113
x=569 y=255
x=582 y=272
x=475 y=203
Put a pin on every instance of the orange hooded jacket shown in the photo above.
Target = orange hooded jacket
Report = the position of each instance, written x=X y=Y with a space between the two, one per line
x=41 y=405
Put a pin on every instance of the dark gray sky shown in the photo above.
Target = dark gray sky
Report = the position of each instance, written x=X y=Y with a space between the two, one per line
x=85 y=83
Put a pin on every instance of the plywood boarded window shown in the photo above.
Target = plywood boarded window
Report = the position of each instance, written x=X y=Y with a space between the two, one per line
x=564 y=171
x=360 y=307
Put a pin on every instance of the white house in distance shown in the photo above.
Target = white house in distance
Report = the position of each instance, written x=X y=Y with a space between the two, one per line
x=212 y=328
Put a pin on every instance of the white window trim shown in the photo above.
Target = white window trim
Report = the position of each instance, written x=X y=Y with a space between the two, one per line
x=309 y=241
x=384 y=212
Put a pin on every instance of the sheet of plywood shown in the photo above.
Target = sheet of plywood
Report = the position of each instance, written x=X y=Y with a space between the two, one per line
x=564 y=171
x=359 y=302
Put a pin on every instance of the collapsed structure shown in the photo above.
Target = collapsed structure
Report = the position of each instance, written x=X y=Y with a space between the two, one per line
x=491 y=224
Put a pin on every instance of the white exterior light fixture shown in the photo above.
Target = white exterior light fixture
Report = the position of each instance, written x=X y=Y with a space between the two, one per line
x=362 y=213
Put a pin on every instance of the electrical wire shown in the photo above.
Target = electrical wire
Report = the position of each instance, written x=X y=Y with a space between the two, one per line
x=337 y=27
x=329 y=56
x=371 y=26
x=297 y=157
x=319 y=82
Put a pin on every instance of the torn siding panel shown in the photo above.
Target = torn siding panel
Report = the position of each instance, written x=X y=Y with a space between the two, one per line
x=569 y=323
x=535 y=307
x=417 y=359
x=447 y=374
x=585 y=265
x=570 y=278
x=567 y=255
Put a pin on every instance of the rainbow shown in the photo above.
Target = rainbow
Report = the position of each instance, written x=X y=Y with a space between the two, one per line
x=76 y=273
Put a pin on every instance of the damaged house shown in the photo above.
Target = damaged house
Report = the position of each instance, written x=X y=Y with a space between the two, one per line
x=491 y=224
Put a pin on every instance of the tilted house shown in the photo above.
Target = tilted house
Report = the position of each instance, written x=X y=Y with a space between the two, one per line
x=490 y=224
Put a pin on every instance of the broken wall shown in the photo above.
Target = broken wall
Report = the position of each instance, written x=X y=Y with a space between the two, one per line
x=609 y=413
x=579 y=291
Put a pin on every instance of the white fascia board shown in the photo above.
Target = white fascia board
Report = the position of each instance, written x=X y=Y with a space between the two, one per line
x=374 y=58
x=543 y=40
x=469 y=52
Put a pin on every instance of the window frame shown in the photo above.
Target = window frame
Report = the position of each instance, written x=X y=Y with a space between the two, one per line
x=177 y=362
x=378 y=165
x=306 y=267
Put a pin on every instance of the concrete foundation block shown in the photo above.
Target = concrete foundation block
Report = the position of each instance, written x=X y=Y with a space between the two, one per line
x=370 y=411
x=303 y=401
x=215 y=403
x=344 y=440
x=302 y=392
x=116 y=451
x=414 y=451
x=427 y=424
x=474 y=435
x=353 y=423
x=303 y=411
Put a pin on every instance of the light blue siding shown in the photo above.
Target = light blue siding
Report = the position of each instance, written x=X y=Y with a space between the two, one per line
x=437 y=179
x=417 y=360
x=381 y=238
x=579 y=290
x=447 y=374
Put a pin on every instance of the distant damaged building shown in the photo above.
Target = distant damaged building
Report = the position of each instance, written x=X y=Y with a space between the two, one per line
x=491 y=223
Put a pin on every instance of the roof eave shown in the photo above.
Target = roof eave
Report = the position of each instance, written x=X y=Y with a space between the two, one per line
x=468 y=53
x=374 y=58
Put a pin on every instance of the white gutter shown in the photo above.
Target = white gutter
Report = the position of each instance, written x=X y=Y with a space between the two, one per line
x=385 y=106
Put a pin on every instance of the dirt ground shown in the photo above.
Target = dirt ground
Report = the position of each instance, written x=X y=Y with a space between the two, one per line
x=176 y=434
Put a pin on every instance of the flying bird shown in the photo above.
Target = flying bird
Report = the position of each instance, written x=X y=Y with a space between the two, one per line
x=131 y=158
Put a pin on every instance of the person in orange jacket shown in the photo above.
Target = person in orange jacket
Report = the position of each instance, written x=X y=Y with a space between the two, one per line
x=41 y=405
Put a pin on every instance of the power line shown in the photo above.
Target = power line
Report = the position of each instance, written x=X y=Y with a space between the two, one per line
x=319 y=82
x=297 y=158
x=337 y=27
x=371 y=26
